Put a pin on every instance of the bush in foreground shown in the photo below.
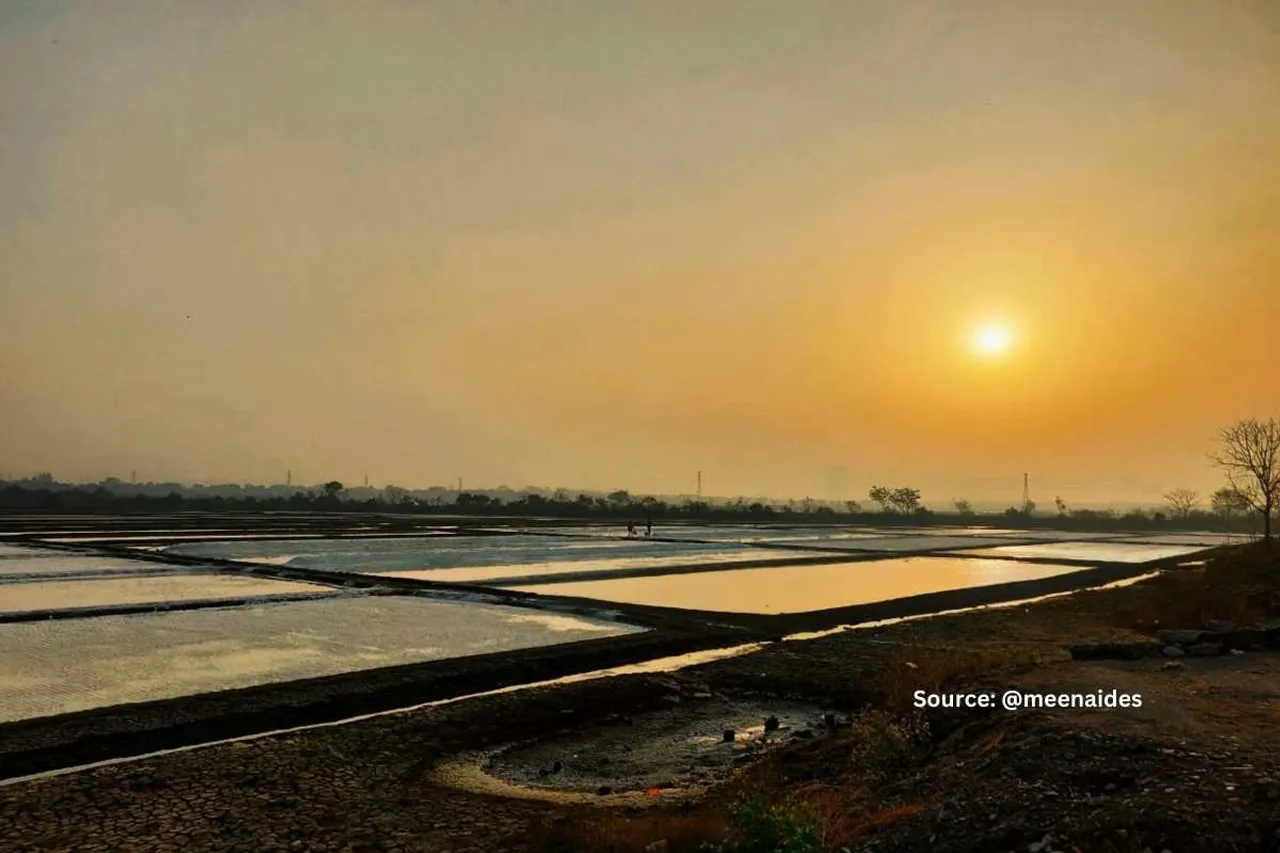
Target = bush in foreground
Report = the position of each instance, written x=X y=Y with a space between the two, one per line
x=757 y=827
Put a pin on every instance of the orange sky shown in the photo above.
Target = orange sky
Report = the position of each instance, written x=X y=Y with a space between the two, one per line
x=607 y=245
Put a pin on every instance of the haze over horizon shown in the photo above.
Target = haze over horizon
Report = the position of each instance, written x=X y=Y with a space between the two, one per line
x=607 y=246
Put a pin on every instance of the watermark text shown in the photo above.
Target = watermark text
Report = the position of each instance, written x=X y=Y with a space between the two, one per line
x=1018 y=700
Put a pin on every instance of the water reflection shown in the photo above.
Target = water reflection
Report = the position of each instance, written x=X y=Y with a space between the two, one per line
x=798 y=589
x=525 y=571
x=1109 y=552
x=57 y=595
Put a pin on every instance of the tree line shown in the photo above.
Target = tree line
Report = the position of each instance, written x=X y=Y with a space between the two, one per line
x=893 y=506
x=1248 y=453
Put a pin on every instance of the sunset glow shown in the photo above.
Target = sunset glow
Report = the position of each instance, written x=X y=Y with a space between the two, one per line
x=610 y=245
x=993 y=339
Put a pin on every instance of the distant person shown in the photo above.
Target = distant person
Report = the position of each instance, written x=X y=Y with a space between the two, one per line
x=631 y=531
x=648 y=528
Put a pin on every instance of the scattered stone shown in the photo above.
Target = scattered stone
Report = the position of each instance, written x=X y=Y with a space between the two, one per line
x=1237 y=651
x=1204 y=650
x=660 y=846
x=1220 y=626
x=1172 y=652
x=1170 y=665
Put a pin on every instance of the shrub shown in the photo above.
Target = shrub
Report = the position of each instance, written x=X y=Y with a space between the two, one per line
x=758 y=827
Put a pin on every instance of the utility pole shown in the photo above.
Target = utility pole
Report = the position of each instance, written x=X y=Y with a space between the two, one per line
x=133 y=477
x=699 y=484
x=459 y=485
x=1026 y=492
x=366 y=481
x=288 y=477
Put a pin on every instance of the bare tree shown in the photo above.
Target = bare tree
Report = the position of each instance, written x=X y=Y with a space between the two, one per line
x=1182 y=501
x=964 y=507
x=1250 y=455
x=1061 y=505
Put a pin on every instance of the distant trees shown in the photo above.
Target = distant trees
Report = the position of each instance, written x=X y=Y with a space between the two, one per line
x=1250 y=456
x=1227 y=502
x=882 y=495
x=900 y=505
x=904 y=500
x=1061 y=505
x=1182 y=502
x=396 y=495
x=1026 y=510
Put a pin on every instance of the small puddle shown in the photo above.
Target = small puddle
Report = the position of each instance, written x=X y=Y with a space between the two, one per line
x=649 y=758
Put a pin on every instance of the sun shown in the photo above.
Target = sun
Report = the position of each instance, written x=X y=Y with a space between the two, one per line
x=992 y=339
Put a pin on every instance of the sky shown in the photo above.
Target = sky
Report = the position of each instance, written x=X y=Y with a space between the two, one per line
x=608 y=245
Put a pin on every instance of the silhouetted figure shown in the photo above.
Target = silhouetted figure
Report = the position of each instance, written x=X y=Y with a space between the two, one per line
x=631 y=531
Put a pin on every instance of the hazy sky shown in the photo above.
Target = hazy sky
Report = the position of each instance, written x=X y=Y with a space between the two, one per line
x=607 y=244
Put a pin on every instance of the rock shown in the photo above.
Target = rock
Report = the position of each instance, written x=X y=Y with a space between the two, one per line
x=1179 y=636
x=660 y=846
x=1038 y=846
x=772 y=724
x=1204 y=650
x=1172 y=652
x=1171 y=665
x=1237 y=651
x=1219 y=626
x=702 y=694
x=604 y=790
